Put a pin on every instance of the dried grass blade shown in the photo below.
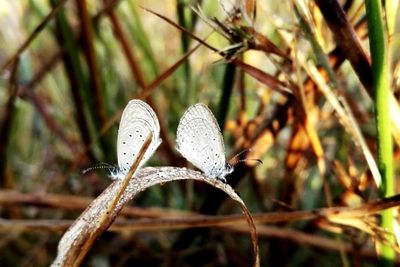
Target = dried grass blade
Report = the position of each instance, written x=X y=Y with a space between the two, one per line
x=79 y=238
x=145 y=178
x=346 y=118
x=33 y=35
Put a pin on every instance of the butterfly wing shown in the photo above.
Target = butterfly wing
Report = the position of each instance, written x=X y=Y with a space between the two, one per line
x=200 y=141
x=137 y=121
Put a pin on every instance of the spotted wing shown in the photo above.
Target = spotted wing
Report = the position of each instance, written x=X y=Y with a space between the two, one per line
x=138 y=120
x=200 y=141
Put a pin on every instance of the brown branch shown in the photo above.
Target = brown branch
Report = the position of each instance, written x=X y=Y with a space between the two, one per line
x=90 y=56
x=33 y=35
x=127 y=48
x=50 y=122
x=348 y=41
x=6 y=123
x=68 y=202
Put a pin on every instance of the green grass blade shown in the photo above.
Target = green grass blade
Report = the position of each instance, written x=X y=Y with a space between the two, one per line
x=380 y=77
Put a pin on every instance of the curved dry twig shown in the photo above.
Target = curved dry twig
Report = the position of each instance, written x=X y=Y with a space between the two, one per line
x=89 y=224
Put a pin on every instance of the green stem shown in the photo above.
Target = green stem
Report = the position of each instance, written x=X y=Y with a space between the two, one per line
x=380 y=76
x=184 y=21
x=227 y=87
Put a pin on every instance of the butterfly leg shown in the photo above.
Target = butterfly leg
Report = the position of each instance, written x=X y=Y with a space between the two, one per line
x=222 y=179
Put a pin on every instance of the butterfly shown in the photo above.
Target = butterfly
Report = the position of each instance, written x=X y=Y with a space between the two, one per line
x=137 y=121
x=200 y=141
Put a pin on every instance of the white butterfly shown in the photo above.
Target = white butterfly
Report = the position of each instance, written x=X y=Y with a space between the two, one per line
x=137 y=121
x=200 y=141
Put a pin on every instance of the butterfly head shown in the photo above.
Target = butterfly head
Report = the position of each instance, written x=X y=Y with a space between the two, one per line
x=117 y=173
x=228 y=169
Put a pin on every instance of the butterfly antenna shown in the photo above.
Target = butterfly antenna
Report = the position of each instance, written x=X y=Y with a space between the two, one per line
x=100 y=166
x=233 y=163
x=243 y=160
x=240 y=153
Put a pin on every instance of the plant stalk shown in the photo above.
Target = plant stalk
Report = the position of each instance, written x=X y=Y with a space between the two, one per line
x=381 y=84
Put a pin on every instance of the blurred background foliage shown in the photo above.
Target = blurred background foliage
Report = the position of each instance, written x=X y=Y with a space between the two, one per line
x=63 y=93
